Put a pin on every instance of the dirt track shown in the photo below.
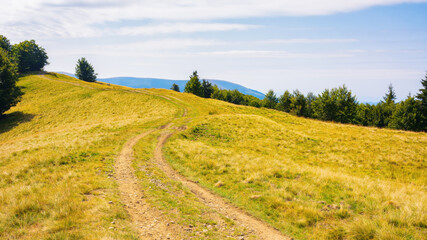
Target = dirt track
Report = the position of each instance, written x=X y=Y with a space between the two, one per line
x=148 y=221
x=257 y=227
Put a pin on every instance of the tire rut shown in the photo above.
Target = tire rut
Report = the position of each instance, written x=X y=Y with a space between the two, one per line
x=148 y=221
x=255 y=226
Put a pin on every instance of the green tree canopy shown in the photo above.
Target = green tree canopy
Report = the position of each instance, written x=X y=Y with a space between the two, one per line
x=207 y=88
x=390 y=96
x=175 y=87
x=9 y=92
x=285 y=102
x=337 y=104
x=29 y=56
x=5 y=44
x=422 y=96
x=85 y=71
x=407 y=115
x=298 y=103
x=194 y=86
x=270 y=100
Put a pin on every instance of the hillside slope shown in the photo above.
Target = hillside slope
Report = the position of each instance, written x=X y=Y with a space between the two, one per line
x=309 y=179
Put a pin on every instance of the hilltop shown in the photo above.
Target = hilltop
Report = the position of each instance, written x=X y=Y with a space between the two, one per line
x=70 y=149
x=135 y=82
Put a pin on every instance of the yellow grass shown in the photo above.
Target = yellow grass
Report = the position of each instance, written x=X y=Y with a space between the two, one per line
x=309 y=179
x=57 y=149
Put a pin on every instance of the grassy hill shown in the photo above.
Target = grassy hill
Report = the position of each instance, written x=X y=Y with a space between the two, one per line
x=307 y=178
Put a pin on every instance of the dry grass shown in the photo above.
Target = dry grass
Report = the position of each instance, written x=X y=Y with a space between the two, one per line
x=57 y=149
x=310 y=179
x=178 y=202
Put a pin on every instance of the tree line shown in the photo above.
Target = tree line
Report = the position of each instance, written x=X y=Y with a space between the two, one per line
x=336 y=104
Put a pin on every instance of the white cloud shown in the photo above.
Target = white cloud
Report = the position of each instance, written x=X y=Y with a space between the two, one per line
x=69 y=18
x=181 y=27
x=272 y=54
x=166 y=47
x=307 y=40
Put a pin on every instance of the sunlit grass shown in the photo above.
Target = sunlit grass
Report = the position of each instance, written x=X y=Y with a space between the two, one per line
x=311 y=179
x=57 y=148
x=178 y=202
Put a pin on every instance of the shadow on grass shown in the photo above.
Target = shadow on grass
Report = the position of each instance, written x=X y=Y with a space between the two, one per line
x=11 y=120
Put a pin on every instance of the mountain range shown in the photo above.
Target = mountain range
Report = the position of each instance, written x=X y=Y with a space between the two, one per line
x=135 y=82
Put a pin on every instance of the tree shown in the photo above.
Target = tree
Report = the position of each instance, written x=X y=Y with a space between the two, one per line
x=207 y=89
x=234 y=96
x=194 y=86
x=285 y=102
x=5 y=44
x=85 y=71
x=29 y=56
x=407 y=115
x=270 y=100
x=422 y=96
x=175 y=87
x=9 y=93
x=310 y=98
x=337 y=104
x=390 y=96
x=298 y=103
x=364 y=114
x=386 y=107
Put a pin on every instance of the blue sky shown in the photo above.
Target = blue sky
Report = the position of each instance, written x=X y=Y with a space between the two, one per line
x=282 y=45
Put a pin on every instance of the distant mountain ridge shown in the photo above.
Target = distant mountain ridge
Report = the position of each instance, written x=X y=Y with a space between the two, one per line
x=135 y=82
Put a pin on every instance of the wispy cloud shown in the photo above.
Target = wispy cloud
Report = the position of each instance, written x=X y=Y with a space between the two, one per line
x=162 y=47
x=182 y=27
x=69 y=18
x=273 y=54
x=307 y=40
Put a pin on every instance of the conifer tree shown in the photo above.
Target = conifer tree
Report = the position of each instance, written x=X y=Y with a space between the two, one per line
x=85 y=71
x=422 y=96
x=207 y=89
x=175 y=87
x=194 y=86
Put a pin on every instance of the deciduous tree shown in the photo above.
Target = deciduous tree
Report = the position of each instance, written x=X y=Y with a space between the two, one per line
x=29 y=56
x=9 y=93
x=5 y=44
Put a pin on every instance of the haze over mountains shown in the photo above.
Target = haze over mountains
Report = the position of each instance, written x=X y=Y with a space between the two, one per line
x=135 y=82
